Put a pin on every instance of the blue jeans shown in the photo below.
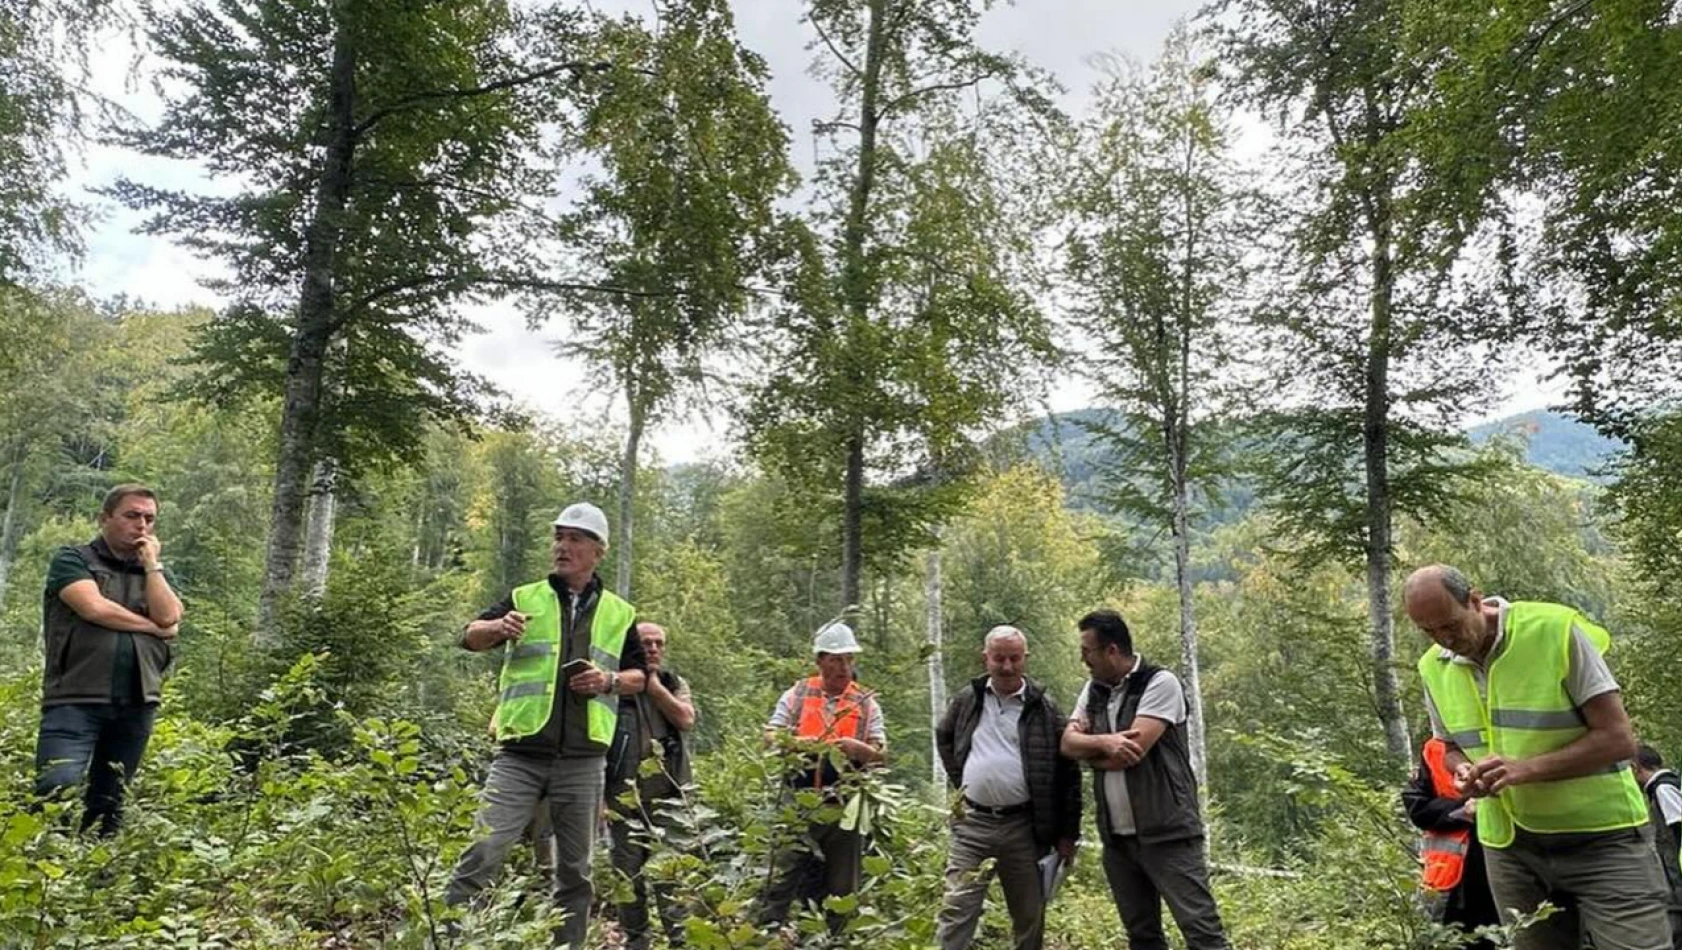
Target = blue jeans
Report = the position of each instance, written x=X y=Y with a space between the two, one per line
x=99 y=743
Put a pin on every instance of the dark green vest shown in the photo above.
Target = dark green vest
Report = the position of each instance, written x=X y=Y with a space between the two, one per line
x=80 y=654
x=1664 y=839
x=1162 y=788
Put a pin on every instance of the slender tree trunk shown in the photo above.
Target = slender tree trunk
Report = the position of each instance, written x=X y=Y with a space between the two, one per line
x=306 y=363
x=1179 y=455
x=1188 y=618
x=937 y=663
x=1375 y=437
x=9 y=525
x=318 y=529
x=628 y=490
x=852 y=524
x=855 y=283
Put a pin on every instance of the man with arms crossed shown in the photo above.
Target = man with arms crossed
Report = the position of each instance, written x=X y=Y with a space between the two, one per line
x=108 y=621
x=1129 y=724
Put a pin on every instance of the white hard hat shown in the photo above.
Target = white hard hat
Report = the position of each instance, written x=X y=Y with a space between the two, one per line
x=585 y=517
x=836 y=638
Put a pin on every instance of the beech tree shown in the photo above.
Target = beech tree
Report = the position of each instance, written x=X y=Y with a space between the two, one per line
x=1154 y=263
x=907 y=324
x=371 y=143
x=678 y=221
x=1378 y=345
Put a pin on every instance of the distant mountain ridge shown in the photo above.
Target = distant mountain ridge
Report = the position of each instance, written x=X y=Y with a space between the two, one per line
x=1555 y=442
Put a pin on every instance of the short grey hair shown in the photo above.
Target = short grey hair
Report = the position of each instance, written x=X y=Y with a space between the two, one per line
x=1457 y=585
x=1003 y=631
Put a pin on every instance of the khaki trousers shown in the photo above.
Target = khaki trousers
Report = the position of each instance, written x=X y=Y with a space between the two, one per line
x=1611 y=882
x=1009 y=841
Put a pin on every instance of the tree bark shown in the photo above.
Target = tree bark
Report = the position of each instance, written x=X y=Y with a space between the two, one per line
x=318 y=529
x=306 y=362
x=855 y=284
x=937 y=664
x=628 y=490
x=9 y=525
x=1375 y=437
x=1179 y=456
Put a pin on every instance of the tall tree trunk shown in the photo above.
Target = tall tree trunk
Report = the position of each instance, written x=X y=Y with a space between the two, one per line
x=9 y=525
x=1375 y=437
x=852 y=524
x=318 y=528
x=628 y=490
x=855 y=286
x=306 y=363
x=1188 y=614
x=937 y=663
x=1179 y=457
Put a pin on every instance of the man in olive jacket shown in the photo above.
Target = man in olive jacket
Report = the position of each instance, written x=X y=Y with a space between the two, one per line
x=1021 y=797
x=108 y=623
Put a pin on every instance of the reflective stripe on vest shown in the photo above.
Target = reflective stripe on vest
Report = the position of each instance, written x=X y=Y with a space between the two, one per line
x=1444 y=852
x=1527 y=713
x=815 y=723
x=531 y=667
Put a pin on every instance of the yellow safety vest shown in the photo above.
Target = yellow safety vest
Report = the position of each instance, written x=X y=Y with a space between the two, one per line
x=1526 y=713
x=531 y=667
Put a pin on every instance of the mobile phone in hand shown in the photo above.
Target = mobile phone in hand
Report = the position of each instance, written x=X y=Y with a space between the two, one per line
x=575 y=667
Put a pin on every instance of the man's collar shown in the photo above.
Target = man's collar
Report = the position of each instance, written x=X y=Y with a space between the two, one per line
x=565 y=590
x=1021 y=691
x=102 y=548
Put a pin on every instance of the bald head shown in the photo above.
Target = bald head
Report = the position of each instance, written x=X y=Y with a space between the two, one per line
x=653 y=637
x=1444 y=605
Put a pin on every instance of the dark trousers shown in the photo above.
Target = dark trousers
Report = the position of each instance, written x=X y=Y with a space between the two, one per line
x=1144 y=876
x=829 y=862
x=630 y=856
x=97 y=743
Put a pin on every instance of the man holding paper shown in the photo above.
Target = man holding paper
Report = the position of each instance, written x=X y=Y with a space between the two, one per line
x=570 y=649
x=1020 y=796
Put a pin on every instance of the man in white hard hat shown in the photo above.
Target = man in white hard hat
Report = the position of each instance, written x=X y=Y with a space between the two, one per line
x=825 y=711
x=570 y=650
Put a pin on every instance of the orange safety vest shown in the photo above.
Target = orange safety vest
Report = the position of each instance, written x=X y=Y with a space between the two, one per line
x=846 y=719
x=1444 y=851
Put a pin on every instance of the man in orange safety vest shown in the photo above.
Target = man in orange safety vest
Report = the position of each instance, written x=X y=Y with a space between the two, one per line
x=1456 y=888
x=827 y=711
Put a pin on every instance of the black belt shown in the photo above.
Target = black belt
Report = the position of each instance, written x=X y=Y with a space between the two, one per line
x=1004 y=812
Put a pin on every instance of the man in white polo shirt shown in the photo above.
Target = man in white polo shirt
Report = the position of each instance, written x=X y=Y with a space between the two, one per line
x=1129 y=724
x=1021 y=797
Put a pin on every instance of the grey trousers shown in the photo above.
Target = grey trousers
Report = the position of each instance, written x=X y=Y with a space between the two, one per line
x=1144 y=876
x=1009 y=841
x=630 y=855
x=1613 y=879
x=515 y=785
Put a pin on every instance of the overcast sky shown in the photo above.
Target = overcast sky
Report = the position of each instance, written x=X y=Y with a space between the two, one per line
x=1059 y=35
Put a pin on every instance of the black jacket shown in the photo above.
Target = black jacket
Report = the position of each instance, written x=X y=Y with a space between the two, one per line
x=1469 y=905
x=1053 y=781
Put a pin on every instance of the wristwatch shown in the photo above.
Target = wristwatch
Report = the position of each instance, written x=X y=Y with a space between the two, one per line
x=613 y=682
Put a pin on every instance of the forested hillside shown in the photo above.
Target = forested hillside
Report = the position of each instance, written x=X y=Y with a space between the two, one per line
x=1442 y=196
